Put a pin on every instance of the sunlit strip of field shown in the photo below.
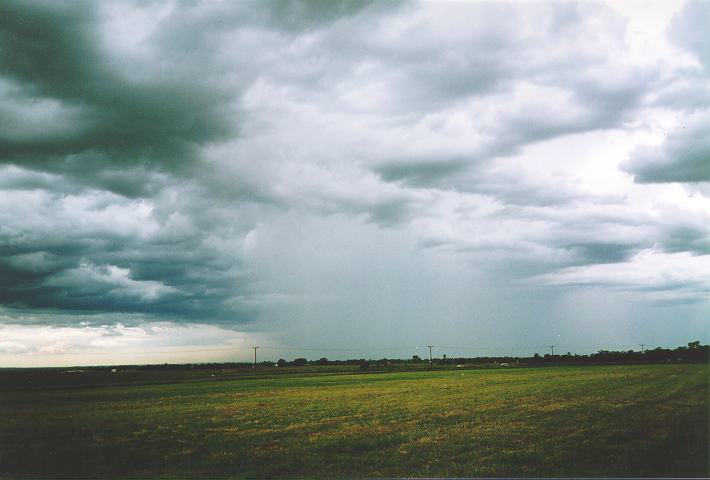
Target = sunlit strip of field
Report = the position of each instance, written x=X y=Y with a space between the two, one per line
x=638 y=420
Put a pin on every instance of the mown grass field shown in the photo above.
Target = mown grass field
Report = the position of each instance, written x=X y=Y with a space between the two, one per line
x=636 y=420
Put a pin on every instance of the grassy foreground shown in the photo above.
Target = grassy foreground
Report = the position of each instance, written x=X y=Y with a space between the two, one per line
x=645 y=420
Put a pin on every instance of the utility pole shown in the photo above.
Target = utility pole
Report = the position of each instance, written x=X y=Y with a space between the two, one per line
x=552 y=349
x=431 y=362
x=642 y=345
x=255 y=349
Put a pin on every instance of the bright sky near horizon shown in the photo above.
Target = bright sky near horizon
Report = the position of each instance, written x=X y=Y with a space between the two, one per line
x=180 y=181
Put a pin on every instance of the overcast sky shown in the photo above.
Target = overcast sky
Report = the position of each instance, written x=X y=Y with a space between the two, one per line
x=180 y=181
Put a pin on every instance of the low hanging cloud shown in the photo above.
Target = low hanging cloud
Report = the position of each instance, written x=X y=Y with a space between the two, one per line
x=272 y=167
x=684 y=156
x=92 y=120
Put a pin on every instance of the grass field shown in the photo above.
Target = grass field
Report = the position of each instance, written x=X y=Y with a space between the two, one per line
x=637 y=420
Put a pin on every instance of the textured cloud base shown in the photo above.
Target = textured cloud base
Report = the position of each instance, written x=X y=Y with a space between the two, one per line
x=356 y=172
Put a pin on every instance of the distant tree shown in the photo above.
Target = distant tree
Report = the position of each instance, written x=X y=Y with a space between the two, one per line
x=416 y=359
x=322 y=361
x=281 y=362
x=299 y=362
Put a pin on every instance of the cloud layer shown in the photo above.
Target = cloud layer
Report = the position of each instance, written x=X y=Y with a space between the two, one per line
x=351 y=169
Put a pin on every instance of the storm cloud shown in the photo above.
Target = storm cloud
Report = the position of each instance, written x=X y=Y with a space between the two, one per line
x=684 y=155
x=343 y=172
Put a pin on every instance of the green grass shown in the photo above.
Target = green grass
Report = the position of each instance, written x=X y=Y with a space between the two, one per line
x=649 y=420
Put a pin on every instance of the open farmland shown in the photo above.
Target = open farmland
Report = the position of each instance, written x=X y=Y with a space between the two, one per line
x=638 y=420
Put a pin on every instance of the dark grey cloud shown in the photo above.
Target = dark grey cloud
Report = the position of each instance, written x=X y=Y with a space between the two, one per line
x=603 y=252
x=107 y=253
x=422 y=172
x=683 y=157
x=54 y=52
x=121 y=129
x=105 y=122
x=134 y=123
x=688 y=239
x=493 y=76
x=324 y=166
x=681 y=231
x=177 y=285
